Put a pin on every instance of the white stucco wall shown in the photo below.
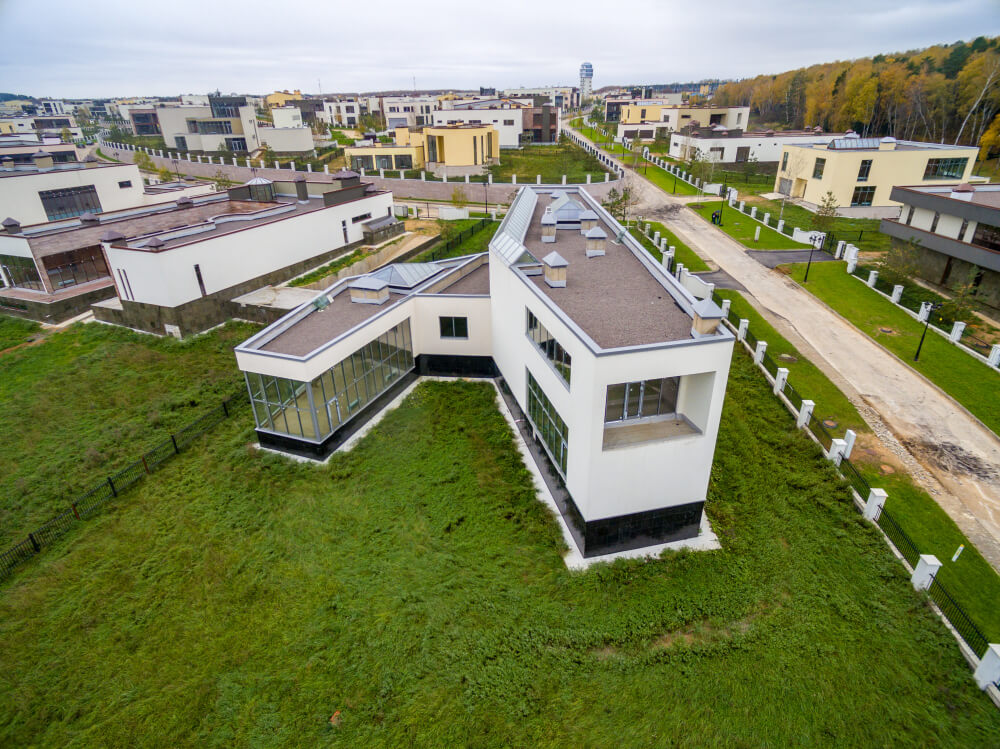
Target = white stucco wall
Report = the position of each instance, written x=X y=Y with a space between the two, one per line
x=287 y=139
x=761 y=147
x=510 y=135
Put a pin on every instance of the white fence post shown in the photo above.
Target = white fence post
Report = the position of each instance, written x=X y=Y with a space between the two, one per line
x=897 y=293
x=849 y=437
x=741 y=332
x=925 y=311
x=872 y=278
x=781 y=225
x=923 y=575
x=780 y=379
x=805 y=411
x=874 y=504
x=988 y=671
x=994 y=358
x=758 y=354
x=538 y=179
x=836 y=453
x=956 y=332
x=726 y=304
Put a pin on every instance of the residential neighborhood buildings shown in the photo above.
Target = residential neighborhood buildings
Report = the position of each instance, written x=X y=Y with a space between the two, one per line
x=646 y=120
x=456 y=148
x=737 y=145
x=229 y=123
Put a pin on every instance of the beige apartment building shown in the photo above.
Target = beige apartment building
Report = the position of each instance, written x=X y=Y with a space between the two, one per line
x=861 y=172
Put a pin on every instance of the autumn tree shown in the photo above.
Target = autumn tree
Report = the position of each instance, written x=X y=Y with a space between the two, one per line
x=826 y=213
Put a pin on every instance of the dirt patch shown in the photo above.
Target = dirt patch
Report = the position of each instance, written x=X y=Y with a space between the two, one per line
x=950 y=457
x=787 y=358
x=605 y=653
x=888 y=331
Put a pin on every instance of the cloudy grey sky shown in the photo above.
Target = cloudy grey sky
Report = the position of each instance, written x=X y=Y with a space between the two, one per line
x=55 y=48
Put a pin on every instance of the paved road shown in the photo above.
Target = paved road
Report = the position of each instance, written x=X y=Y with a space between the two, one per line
x=954 y=456
x=774 y=258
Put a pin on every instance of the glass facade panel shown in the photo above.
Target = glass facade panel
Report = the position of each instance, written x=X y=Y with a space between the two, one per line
x=21 y=271
x=549 y=425
x=639 y=400
x=945 y=168
x=282 y=405
x=863 y=196
x=558 y=357
x=69 y=202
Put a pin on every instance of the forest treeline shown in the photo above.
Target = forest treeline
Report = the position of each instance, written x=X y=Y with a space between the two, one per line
x=946 y=94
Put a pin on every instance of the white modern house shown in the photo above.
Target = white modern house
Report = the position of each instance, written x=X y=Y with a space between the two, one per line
x=505 y=116
x=619 y=372
x=726 y=146
x=178 y=271
x=342 y=112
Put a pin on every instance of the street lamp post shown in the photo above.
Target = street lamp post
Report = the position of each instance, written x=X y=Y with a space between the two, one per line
x=927 y=324
x=812 y=247
x=486 y=197
x=725 y=184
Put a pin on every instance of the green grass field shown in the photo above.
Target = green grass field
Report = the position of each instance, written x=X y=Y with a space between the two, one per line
x=971 y=579
x=849 y=229
x=665 y=181
x=413 y=588
x=15 y=330
x=964 y=378
x=742 y=228
x=90 y=400
x=477 y=242
x=552 y=162
x=682 y=253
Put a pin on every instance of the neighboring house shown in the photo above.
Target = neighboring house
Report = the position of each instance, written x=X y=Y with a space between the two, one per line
x=179 y=271
x=46 y=190
x=281 y=98
x=342 y=112
x=507 y=117
x=287 y=116
x=43 y=126
x=405 y=111
x=54 y=270
x=623 y=408
x=21 y=149
x=460 y=149
x=861 y=172
x=956 y=233
x=613 y=105
x=141 y=119
x=647 y=120
x=725 y=146
x=228 y=123
x=562 y=97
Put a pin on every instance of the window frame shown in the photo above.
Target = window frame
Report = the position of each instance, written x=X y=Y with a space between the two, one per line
x=450 y=327
x=819 y=167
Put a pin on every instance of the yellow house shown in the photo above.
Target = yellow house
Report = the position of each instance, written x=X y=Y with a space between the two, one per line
x=460 y=149
x=642 y=119
x=861 y=172
x=6 y=128
x=281 y=98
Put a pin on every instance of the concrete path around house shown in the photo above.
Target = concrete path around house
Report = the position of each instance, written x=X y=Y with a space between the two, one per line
x=774 y=258
x=959 y=457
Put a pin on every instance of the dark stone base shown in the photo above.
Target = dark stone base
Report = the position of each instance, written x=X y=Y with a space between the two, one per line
x=436 y=365
x=325 y=449
x=640 y=529
x=56 y=310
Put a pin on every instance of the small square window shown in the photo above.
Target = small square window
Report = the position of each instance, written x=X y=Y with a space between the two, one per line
x=125 y=183
x=454 y=327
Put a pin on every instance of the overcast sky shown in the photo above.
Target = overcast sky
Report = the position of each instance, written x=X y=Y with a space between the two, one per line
x=98 y=48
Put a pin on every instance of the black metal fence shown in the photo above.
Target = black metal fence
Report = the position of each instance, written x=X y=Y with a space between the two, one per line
x=444 y=249
x=900 y=539
x=960 y=620
x=88 y=503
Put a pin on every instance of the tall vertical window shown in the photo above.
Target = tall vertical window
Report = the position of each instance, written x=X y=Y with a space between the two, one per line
x=70 y=202
x=934 y=221
x=639 y=400
x=909 y=216
x=549 y=425
x=818 y=168
x=865 y=170
x=962 y=230
x=784 y=161
x=558 y=357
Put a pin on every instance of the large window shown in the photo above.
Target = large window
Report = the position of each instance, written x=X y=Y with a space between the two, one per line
x=549 y=425
x=818 y=168
x=75 y=267
x=21 y=271
x=362 y=162
x=863 y=195
x=312 y=410
x=865 y=171
x=454 y=327
x=987 y=236
x=69 y=202
x=784 y=161
x=945 y=168
x=558 y=357
x=639 y=400
x=215 y=127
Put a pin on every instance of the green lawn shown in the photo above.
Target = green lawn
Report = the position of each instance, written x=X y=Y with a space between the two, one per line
x=964 y=378
x=664 y=180
x=850 y=229
x=742 y=228
x=682 y=253
x=973 y=582
x=90 y=400
x=330 y=268
x=16 y=330
x=476 y=242
x=552 y=162
x=414 y=589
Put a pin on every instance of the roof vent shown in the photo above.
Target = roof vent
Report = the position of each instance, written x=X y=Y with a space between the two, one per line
x=548 y=226
x=555 y=270
x=11 y=226
x=369 y=290
x=155 y=243
x=112 y=236
x=964 y=191
x=42 y=159
x=89 y=219
x=588 y=220
x=887 y=144
x=7 y=163
x=707 y=318
x=90 y=161
x=596 y=241
x=185 y=202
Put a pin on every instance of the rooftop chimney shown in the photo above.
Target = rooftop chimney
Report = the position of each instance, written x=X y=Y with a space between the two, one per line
x=548 y=226
x=707 y=318
x=964 y=191
x=42 y=160
x=12 y=226
x=887 y=144
x=555 y=270
x=89 y=219
x=112 y=236
x=90 y=161
x=596 y=241
x=301 y=189
x=185 y=202
x=7 y=163
x=369 y=290
x=588 y=220
x=155 y=243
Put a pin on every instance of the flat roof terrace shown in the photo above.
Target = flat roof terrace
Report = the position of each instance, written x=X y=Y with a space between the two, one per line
x=614 y=299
